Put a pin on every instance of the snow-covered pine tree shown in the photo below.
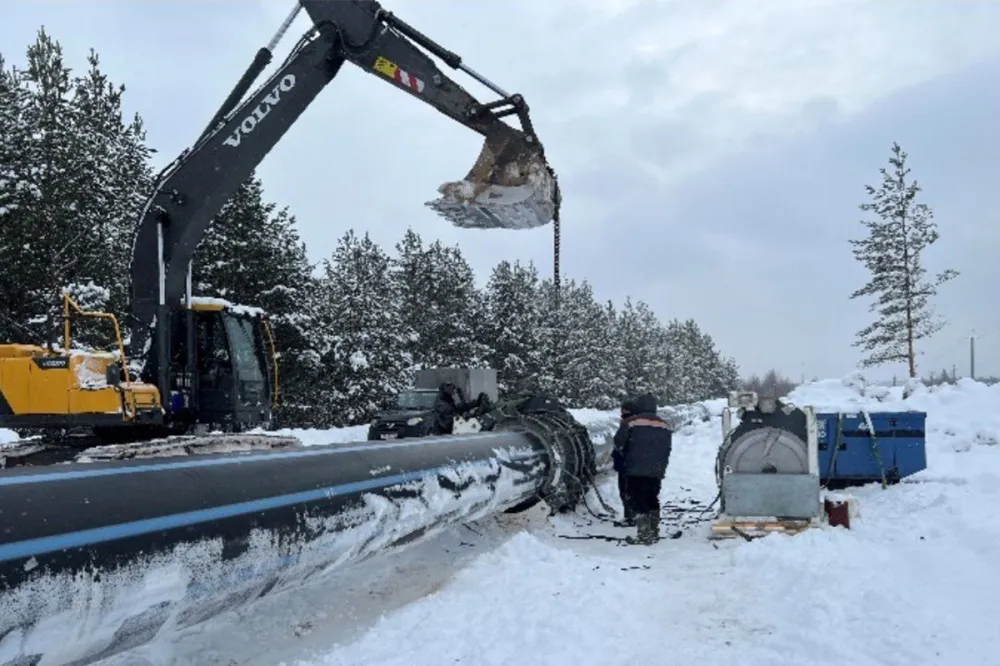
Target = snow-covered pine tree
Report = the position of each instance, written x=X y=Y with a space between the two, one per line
x=642 y=365
x=454 y=326
x=117 y=175
x=697 y=370
x=892 y=253
x=552 y=332
x=727 y=376
x=17 y=235
x=610 y=390
x=46 y=199
x=579 y=381
x=437 y=299
x=72 y=149
x=252 y=255
x=512 y=327
x=364 y=358
x=659 y=340
x=682 y=343
x=409 y=276
x=718 y=375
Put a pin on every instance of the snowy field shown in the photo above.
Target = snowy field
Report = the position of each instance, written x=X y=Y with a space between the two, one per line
x=913 y=582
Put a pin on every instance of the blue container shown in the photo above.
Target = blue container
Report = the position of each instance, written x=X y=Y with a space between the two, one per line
x=898 y=448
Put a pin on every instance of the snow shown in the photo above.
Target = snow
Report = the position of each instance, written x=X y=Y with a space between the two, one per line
x=912 y=582
x=358 y=361
x=244 y=310
x=89 y=377
x=88 y=295
x=317 y=437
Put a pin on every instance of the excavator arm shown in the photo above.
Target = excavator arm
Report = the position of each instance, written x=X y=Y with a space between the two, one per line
x=509 y=186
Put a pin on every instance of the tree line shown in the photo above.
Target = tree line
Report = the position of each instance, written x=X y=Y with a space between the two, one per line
x=75 y=173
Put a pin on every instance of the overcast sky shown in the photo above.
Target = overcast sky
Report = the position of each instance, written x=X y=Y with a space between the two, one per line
x=711 y=154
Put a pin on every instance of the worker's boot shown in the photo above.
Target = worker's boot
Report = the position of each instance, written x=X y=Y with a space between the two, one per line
x=628 y=520
x=654 y=525
x=644 y=530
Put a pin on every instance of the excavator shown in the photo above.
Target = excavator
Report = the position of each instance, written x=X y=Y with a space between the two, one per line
x=195 y=363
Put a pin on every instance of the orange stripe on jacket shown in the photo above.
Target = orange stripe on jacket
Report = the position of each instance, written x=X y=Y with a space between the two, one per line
x=655 y=423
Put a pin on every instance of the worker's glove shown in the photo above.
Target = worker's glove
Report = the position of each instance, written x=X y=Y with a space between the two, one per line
x=618 y=460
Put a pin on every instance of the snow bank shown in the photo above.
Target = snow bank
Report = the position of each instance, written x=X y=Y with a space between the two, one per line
x=913 y=582
x=318 y=437
x=7 y=436
x=961 y=417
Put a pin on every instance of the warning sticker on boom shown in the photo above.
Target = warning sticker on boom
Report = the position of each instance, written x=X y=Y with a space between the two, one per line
x=391 y=70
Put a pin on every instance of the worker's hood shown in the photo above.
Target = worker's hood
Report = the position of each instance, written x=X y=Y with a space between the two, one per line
x=645 y=404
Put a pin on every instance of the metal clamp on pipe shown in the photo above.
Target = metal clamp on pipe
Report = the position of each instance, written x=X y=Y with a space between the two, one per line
x=570 y=452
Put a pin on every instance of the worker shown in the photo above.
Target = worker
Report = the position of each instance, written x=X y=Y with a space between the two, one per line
x=448 y=403
x=618 y=458
x=644 y=441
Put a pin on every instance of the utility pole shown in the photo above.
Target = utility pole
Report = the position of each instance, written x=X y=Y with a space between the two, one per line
x=972 y=357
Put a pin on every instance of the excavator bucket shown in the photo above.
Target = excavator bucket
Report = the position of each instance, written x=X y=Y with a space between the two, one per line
x=511 y=186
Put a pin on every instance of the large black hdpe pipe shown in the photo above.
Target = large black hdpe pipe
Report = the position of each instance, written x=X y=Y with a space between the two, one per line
x=98 y=558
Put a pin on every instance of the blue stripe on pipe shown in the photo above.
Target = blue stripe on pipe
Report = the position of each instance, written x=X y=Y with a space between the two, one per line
x=235 y=459
x=49 y=544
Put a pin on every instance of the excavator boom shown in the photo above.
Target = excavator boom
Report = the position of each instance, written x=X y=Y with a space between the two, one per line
x=510 y=185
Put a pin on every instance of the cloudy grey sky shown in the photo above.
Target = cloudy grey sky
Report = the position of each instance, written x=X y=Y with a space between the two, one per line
x=711 y=154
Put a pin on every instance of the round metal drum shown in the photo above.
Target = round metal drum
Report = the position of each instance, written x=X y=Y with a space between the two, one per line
x=767 y=450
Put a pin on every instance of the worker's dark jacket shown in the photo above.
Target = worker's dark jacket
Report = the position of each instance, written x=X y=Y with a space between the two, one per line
x=644 y=440
x=445 y=411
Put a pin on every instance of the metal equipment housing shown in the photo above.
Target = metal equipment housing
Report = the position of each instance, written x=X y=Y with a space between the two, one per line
x=767 y=467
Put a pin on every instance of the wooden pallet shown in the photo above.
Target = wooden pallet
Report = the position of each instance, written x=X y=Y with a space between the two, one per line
x=724 y=527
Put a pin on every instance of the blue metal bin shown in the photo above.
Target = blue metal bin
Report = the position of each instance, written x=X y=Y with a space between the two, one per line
x=849 y=454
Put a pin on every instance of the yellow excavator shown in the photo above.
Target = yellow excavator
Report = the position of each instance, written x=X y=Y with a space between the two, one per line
x=201 y=362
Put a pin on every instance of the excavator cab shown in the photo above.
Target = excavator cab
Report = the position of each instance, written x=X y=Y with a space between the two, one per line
x=224 y=369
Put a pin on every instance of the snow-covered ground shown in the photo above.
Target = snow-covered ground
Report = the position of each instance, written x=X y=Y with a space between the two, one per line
x=913 y=582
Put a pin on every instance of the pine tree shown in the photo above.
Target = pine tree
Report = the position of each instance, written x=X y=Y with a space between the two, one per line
x=116 y=176
x=696 y=369
x=15 y=234
x=611 y=361
x=410 y=274
x=44 y=204
x=364 y=357
x=512 y=328
x=437 y=298
x=892 y=253
x=78 y=171
x=252 y=255
x=552 y=333
x=643 y=366
x=455 y=322
x=573 y=342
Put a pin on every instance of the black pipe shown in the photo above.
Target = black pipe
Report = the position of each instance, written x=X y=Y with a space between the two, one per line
x=110 y=553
